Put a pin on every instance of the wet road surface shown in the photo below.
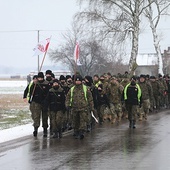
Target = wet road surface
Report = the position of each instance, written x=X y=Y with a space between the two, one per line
x=107 y=147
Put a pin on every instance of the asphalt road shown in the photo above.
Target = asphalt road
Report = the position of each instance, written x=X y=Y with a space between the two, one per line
x=114 y=147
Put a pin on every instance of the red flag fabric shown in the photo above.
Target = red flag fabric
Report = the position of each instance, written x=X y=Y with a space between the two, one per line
x=41 y=47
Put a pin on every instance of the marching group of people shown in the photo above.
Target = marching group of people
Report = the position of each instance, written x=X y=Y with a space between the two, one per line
x=76 y=102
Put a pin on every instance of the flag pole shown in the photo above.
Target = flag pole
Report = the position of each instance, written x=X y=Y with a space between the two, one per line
x=38 y=55
x=44 y=55
x=39 y=69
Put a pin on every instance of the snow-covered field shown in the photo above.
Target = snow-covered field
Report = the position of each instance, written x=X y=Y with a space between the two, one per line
x=14 y=87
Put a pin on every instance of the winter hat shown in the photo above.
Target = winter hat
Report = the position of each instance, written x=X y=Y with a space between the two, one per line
x=41 y=75
x=89 y=78
x=68 y=76
x=142 y=76
x=78 y=78
x=48 y=72
x=62 y=77
x=52 y=75
x=35 y=77
x=55 y=81
x=152 y=77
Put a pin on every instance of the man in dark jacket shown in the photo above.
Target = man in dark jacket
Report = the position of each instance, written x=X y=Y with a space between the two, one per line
x=132 y=98
x=55 y=101
x=38 y=93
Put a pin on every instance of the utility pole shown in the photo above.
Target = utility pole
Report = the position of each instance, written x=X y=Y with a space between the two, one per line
x=38 y=55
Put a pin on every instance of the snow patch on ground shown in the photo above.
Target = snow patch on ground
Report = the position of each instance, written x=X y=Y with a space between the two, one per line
x=17 y=132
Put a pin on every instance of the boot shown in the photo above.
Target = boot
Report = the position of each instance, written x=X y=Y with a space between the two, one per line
x=45 y=132
x=104 y=117
x=130 y=123
x=81 y=134
x=140 y=117
x=133 y=124
x=55 y=135
x=100 y=121
x=69 y=126
x=113 y=119
x=88 y=128
x=109 y=117
x=59 y=133
x=76 y=134
x=35 y=131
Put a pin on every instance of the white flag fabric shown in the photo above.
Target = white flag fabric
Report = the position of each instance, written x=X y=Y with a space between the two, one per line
x=41 y=47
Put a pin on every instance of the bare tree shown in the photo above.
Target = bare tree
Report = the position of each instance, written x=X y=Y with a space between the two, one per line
x=117 y=19
x=154 y=13
x=94 y=56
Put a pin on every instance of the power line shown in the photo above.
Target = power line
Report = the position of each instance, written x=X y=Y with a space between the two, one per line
x=29 y=31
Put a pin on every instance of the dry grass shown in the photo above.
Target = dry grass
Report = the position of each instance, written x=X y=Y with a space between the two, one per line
x=13 y=110
x=12 y=101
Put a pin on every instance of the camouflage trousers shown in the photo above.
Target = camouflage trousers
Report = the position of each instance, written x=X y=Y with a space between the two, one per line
x=37 y=111
x=116 y=110
x=100 y=111
x=155 y=102
x=132 y=111
x=57 y=120
x=80 y=119
x=144 y=110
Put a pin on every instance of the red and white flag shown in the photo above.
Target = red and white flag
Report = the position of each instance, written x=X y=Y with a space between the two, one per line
x=76 y=54
x=41 y=47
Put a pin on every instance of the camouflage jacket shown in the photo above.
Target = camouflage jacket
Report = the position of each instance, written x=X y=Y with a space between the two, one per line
x=115 y=93
x=147 y=92
x=78 y=100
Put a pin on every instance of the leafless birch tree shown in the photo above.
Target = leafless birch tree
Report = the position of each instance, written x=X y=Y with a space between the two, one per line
x=154 y=13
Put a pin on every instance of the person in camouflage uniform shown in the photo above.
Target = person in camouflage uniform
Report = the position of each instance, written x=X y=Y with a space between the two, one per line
x=163 y=90
x=167 y=79
x=105 y=83
x=114 y=94
x=124 y=81
x=55 y=101
x=147 y=97
x=101 y=103
x=89 y=83
x=68 y=115
x=79 y=99
x=38 y=93
x=156 y=93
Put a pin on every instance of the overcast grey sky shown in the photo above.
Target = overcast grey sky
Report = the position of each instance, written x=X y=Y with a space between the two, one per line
x=20 y=20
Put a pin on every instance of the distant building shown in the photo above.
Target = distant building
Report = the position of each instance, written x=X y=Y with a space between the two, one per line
x=147 y=64
x=166 y=61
